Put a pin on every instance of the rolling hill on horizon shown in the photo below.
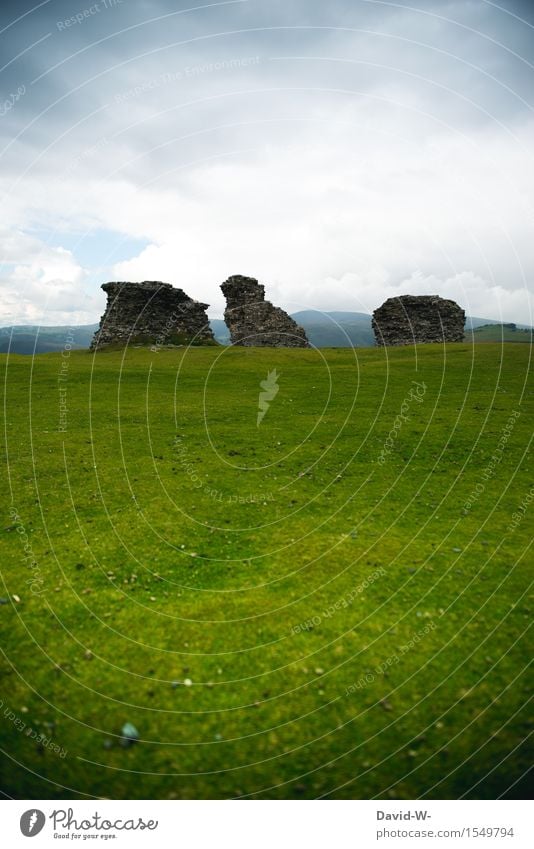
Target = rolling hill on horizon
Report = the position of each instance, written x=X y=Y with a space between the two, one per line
x=336 y=329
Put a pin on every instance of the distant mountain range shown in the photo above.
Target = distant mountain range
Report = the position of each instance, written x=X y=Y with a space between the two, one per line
x=324 y=330
x=32 y=339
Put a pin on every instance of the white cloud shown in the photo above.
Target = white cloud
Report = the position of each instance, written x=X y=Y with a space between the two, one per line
x=399 y=160
x=377 y=218
x=40 y=284
x=475 y=294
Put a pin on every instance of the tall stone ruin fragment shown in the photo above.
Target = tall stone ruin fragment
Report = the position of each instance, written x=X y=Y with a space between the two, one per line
x=151 y=313
x=253 y=321
x=416 y=319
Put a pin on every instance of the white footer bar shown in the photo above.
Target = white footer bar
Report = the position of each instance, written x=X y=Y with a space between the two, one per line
x=268 y=824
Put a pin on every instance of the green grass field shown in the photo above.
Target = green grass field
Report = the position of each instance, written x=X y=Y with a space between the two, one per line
x=334 y=603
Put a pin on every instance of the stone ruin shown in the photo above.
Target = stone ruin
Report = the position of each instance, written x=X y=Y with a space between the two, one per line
x=253 y=321
x=416 y=319
x=151 y=313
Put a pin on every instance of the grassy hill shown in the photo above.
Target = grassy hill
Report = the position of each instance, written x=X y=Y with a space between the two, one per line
x=499 y=333
x=336 y=329
x=334 y=602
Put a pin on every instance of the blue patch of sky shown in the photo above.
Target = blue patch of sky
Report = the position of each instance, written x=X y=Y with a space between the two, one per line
x=94 y=249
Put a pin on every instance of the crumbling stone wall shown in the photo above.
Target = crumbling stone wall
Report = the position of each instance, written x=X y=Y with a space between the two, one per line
x=415 y=319
x=152 y=313
x=252 y=320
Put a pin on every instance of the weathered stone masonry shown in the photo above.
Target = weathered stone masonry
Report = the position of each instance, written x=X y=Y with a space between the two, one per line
x=152 y=313
x=416 y=319
x=253 y=321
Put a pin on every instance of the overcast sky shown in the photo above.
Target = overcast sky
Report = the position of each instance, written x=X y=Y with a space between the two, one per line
x=342 y=152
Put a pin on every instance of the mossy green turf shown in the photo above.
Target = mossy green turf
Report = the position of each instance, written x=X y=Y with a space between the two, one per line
x=175 y=539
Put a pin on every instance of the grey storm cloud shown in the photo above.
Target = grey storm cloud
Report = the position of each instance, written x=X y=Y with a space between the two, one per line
x=78 y=54
x=361 y=145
